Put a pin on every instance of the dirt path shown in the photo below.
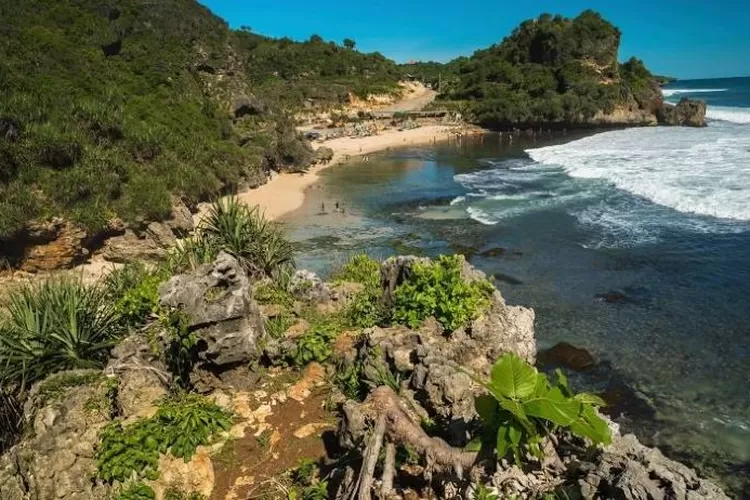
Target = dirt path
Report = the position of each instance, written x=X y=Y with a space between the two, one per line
x=419 y=100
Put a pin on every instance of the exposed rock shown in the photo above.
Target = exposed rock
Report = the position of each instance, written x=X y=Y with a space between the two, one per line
x=58 y=461
x=55 y=244
x=161 y=234
x=142 y=377
x=613 y=297
x=568 y=356
x=193 y=476
x=629 y=470
x=688 y=112
x=130 y=247
x=247 y=106
x=217 y=300
x=180 y=220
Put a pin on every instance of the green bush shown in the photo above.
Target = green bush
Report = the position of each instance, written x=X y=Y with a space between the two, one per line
x=361 y=269
x=136 y=491
x=523 y=406
x=273 y=293
x=134 y=289
x=180 y=425
x=315 y=344
x=58 y=325
x=438 y=289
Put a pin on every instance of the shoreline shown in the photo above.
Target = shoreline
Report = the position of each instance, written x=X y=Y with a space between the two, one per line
x=285 y=193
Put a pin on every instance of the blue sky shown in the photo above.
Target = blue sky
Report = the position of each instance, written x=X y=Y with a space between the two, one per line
x=683 y=38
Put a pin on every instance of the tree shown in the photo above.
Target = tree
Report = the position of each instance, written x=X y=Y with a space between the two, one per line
x=349 y=43
x=316 y=39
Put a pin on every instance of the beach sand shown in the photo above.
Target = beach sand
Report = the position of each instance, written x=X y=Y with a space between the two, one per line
x=285 y=193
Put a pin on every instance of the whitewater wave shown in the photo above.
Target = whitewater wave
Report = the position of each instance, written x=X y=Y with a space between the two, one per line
x=729 y=114
x=481 y=216
x=696 y=171
x=671 y=92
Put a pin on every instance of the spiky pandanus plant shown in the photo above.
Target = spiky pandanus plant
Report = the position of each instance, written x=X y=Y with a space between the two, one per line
x=60 y=324
x=243 y=232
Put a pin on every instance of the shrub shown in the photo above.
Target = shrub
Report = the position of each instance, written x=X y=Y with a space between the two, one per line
x=438 y=289
x=58 y=325
x=365 y=310
x=272 y=293
x=315 y=344
x=135 y=291
x=523 y=406
x=362 y=269
x=180 y=425
x=137 y=491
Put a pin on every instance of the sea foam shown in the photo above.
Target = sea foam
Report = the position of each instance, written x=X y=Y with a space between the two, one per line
x=698 y=171
x=671 y=92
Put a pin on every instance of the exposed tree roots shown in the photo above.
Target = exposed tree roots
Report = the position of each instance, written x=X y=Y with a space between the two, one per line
x=395 y=425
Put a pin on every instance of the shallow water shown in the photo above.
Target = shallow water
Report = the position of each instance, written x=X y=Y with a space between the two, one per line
x=679 y=334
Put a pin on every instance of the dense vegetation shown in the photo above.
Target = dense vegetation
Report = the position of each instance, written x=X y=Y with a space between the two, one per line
x=108 y=109
x=550 y=70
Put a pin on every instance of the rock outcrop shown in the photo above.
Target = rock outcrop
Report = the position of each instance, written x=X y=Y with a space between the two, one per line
x=217 y=300
x=687 y=112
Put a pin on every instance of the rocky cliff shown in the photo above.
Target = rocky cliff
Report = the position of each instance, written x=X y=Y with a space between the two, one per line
x=403 y=376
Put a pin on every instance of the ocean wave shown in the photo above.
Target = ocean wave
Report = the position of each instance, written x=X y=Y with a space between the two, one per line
x=481 y=216
x=671 y=92
x=697 y=171
x=729 y=114
x=457 y=200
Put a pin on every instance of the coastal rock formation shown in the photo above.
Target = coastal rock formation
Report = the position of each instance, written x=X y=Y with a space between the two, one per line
x=688 y=112
x=58 y=461
x=217 y=300
x=55 y=244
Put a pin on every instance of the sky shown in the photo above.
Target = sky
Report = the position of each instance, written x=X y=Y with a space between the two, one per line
x=682 y=38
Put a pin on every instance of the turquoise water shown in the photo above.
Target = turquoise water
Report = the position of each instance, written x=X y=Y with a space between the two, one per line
x=658 y=217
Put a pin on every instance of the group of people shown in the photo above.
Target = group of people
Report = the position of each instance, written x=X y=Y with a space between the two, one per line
x=339 y=208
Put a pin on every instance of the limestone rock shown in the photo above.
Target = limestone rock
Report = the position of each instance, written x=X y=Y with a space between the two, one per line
x=688 y=112
x=628 y=469
x=58 y=461
x=130 y=246
x=180 y=220
x=217 y=300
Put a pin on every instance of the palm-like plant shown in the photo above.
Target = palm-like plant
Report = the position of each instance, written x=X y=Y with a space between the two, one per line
x=57 y=325
x=243 y=232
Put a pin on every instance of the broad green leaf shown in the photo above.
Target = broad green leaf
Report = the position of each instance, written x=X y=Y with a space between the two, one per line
x=590 y=399
x=553 y=406
x=592 y=426
x=473 y=445
x=562 y=382
x=503 y=441
x=488 y=410
x=512 y=377
x=516 y=409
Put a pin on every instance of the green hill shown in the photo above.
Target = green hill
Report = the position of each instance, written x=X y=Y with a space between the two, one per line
x=107 y=109
x=551 y=71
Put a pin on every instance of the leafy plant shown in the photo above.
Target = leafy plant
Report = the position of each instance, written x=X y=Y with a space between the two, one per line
x=181 y=349
x=314 y=345
x=438 y=289
x=360 y=268
x=180 y=425
x=365 y=310
x=307 y=486
x=137 y=491
x=523 y=406
x=58 y=325
x=278 y=325
x=174 y=494
x=482 y=492
x=134 y=288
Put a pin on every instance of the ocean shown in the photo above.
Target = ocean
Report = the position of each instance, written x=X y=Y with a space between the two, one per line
x=633 y=244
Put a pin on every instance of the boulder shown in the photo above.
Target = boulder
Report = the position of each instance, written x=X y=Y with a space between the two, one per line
x=323 y=154
x=130 y=246
x=688 y=112
x=217 y=300
x=180 y=220
x=54 y=244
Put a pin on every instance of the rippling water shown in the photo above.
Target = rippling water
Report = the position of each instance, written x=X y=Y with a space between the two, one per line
x=659 y=217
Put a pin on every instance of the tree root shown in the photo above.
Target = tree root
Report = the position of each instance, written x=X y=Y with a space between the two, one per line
x=396 y=425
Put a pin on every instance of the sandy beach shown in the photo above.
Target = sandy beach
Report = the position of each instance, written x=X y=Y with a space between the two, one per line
x=285 y=193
